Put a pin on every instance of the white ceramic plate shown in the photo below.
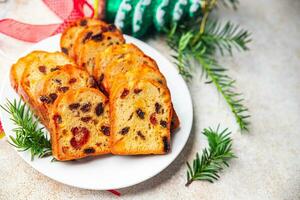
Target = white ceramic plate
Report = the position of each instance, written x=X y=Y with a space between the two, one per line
x=112 y=172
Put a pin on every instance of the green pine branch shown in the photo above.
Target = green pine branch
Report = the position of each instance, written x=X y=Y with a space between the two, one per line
x=28 y=136
x=213 y=159
x=225 y=38
x=188 y=45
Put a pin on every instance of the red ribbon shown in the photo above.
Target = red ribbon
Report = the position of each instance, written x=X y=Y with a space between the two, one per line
x=68 y=11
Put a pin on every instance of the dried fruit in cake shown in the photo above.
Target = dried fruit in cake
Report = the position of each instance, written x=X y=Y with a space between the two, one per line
x=137 y=125
x=80 y=124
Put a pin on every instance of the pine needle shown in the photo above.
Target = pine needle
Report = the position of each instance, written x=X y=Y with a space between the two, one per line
x=28 y=136
x=213 y=159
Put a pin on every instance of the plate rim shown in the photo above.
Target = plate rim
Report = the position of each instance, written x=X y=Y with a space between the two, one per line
x=151 y=175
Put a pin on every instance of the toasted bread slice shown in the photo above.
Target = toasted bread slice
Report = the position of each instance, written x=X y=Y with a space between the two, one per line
x=140 y=119
x=94 y=40
x=80 y=124
x=69 y=36
x=35 y=70
x=18 y=68
x=58 y=82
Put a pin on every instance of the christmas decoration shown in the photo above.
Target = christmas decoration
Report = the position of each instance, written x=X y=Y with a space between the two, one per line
x=135 y=17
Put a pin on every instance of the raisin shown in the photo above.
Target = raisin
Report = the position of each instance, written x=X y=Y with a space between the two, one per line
x=105 y=130
x=63 y=89
x=166 y=144
x=57 y=81
x=85 y=119
x=153 y=119
x=157 y=107
x=45 y=99
x=54 y=69
x=87 y=37
x=72 y=80
x=104 y=29
x=99 y=109
x=163 y=123
x=65 y=50
x=124 y=93
x=53 y=97
x=137 y=91
x=101 y=78
x=74 y=106
x=102 y=89
x=139 y=133
x=89 y=150
x=111 y=28
x=160 y=81
x=124 y=131
x=57 y=119
x=92 y=82
x=140 y=113
x=42 y=69
x=130 y=117
x=86 y=107
x=80 y=136
x=97 y=38
x=83 y=22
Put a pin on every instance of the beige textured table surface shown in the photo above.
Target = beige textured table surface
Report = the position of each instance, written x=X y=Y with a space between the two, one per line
x=268 y=164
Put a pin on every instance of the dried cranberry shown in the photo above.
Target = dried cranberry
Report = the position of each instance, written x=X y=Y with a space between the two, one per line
x=86 y=107
x=57 y=119
x=124 y=131
x=157 y=107
x=137 y=91
x=85 y=119
x=163 y=123
x=105 y=130
x=139 y=133
x=124 y=93
x=74 y=106
x=63 y=89
x=166 y=144
x=140 y=113
x=72 y=80
x=80 y=136
x=53 y=97
x=89 y=150
x=42 y=69
x=45 y=99
x=87 y=37
x=153 y=119
x=99 y=109
x=65 y=50
x=97 y=38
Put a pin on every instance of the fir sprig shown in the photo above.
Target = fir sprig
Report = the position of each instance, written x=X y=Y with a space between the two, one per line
x=190 y=42
x=225 y=38
x=28 y=136
x=213 y=159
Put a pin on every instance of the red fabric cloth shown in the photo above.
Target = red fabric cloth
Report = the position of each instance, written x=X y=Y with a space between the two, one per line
x=67 y=10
